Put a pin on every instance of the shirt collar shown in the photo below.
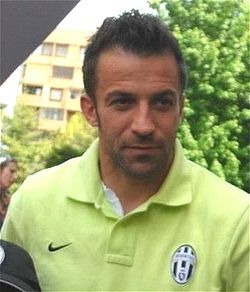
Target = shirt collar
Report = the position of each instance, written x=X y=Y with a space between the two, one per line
x=175 y=190
x=86 y=182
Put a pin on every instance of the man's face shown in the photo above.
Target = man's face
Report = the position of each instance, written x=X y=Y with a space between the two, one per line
x=138 y=108
x=8 y=175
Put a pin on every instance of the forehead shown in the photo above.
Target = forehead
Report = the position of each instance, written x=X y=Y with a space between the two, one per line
x=117 y=65
x=11 y=165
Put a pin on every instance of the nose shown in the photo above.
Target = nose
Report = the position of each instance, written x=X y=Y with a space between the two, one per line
x=143 y=122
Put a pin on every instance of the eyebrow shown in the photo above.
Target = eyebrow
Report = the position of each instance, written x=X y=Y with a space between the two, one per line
x=126 y=94
x=119 y=93
x=171 y=92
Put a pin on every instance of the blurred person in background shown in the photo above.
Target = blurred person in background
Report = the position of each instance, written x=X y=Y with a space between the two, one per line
x=8 y=175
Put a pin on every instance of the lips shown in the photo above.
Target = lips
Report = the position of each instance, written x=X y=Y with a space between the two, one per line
x=142 y=149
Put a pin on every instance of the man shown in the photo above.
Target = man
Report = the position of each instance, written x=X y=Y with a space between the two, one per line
x=132 y=214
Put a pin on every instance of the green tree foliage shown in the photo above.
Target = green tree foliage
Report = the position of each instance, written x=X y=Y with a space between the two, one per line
x=24 y=142
x=71 y=143
x=35 y=149
x=214 y=37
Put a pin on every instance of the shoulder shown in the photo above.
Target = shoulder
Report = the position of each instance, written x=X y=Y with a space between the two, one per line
x=217 y=194
x=50 y=176
x=44 y=185
x=56 y=183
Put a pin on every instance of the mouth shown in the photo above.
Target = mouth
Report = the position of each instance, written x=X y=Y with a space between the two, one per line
x=143 y=149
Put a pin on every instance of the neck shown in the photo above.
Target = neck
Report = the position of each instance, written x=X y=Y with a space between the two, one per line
x=130 y=191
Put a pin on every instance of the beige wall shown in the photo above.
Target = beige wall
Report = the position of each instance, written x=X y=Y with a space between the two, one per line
x=38 y=71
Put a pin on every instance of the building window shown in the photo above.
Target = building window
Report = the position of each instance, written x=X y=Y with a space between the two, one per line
x=44 y=49
x=61 y=50
x=63 y=72
x=82 y=52
x=56 y=94
x=75 y=93
x=51 y=113
x=47 y=49
x=32 y=89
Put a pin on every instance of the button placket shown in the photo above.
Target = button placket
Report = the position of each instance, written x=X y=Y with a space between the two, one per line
x=121 y=245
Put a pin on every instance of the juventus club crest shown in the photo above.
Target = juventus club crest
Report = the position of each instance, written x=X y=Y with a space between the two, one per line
x=183 y=264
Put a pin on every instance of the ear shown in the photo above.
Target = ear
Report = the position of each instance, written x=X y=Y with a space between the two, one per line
x=89 y=110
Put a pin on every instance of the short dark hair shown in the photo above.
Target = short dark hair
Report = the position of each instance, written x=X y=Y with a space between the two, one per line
x=141 y=34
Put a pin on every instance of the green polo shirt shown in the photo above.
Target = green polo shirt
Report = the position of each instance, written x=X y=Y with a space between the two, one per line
x=192 y=235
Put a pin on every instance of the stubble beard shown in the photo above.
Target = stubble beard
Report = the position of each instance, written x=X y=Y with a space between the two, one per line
x=159 y=165
x=133 y=167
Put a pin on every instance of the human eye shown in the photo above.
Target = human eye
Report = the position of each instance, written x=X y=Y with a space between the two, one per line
x=164 y=102
x=122 y=102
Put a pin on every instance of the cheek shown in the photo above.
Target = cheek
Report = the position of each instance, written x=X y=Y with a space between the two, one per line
x=110 y=132
x=168 y=124
x=4 y=178
x=4 y=174
x=114 y=124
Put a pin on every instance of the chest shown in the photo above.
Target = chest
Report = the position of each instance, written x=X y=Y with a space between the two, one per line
x=154 y=250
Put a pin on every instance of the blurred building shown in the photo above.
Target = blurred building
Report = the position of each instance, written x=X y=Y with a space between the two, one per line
x=52 y=79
